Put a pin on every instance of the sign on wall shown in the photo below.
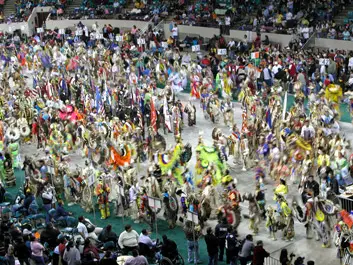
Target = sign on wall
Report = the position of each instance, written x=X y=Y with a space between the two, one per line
x=222 y=51
x=195 y=48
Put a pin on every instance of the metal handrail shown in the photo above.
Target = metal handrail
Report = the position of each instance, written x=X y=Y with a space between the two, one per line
x=159 y=26
x=145 y=28
x=272 y=261
x=307 y=43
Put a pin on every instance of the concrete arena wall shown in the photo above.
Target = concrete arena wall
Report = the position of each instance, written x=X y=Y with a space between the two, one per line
x=28 y=28
x=122 y=24
x=9 y=28
x=235 y=34
x=334 y=44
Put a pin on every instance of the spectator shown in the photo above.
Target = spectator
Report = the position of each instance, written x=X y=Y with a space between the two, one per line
x=259 y=254
x=299 y=261
x=128 y=240
x=284 y=259
x=2 y=189
x=90 y=250
x=232 y=246
x=86 y=228
x=245 y=254
x=175 y=32
x=212 y=247
x=28 y=200
x=169 y=248
x=107 y=259
x=60 y=213
x=136 y=259
x=22 y=252
x=108 y=234
x=144 y=238
x=72 y=254
x=266 y=76
x=49 y=235
x=37 y=251
x=221 y=231
x=47 y=197
x=61 y=249
x=192 y=235
x=332 y=69
x=14 y=231
x=10 y=255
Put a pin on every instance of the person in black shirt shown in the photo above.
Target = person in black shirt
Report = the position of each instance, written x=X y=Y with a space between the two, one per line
x=2 y=193
x=169 y=248
x=108 y=235
x=334 y=185
x=232 y=246
x=212 y=246
x=14 y=231
x=22 y=252
x=311 y=189
x=221 y=233
x=107 y=259
x=49 y=235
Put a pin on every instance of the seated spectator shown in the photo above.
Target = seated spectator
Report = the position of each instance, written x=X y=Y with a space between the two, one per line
x=169 y=248
x=90 y=250
x=136 y=259
x=60 y=213
x=49 y=235
x=146 y=243
x=108 y=235
x=107 y=259
x=128 y=240
x=346 y=34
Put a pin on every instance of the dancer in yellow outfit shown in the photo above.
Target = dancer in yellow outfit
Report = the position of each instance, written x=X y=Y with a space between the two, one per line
x=102 y=191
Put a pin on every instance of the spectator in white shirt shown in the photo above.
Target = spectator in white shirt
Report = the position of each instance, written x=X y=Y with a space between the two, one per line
x=305 y=32
x=186 y=59
x=87 y=229
x=175 y=32
x=128 y=240
x=276 y=68
x=289 y=16
x=231 y=43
